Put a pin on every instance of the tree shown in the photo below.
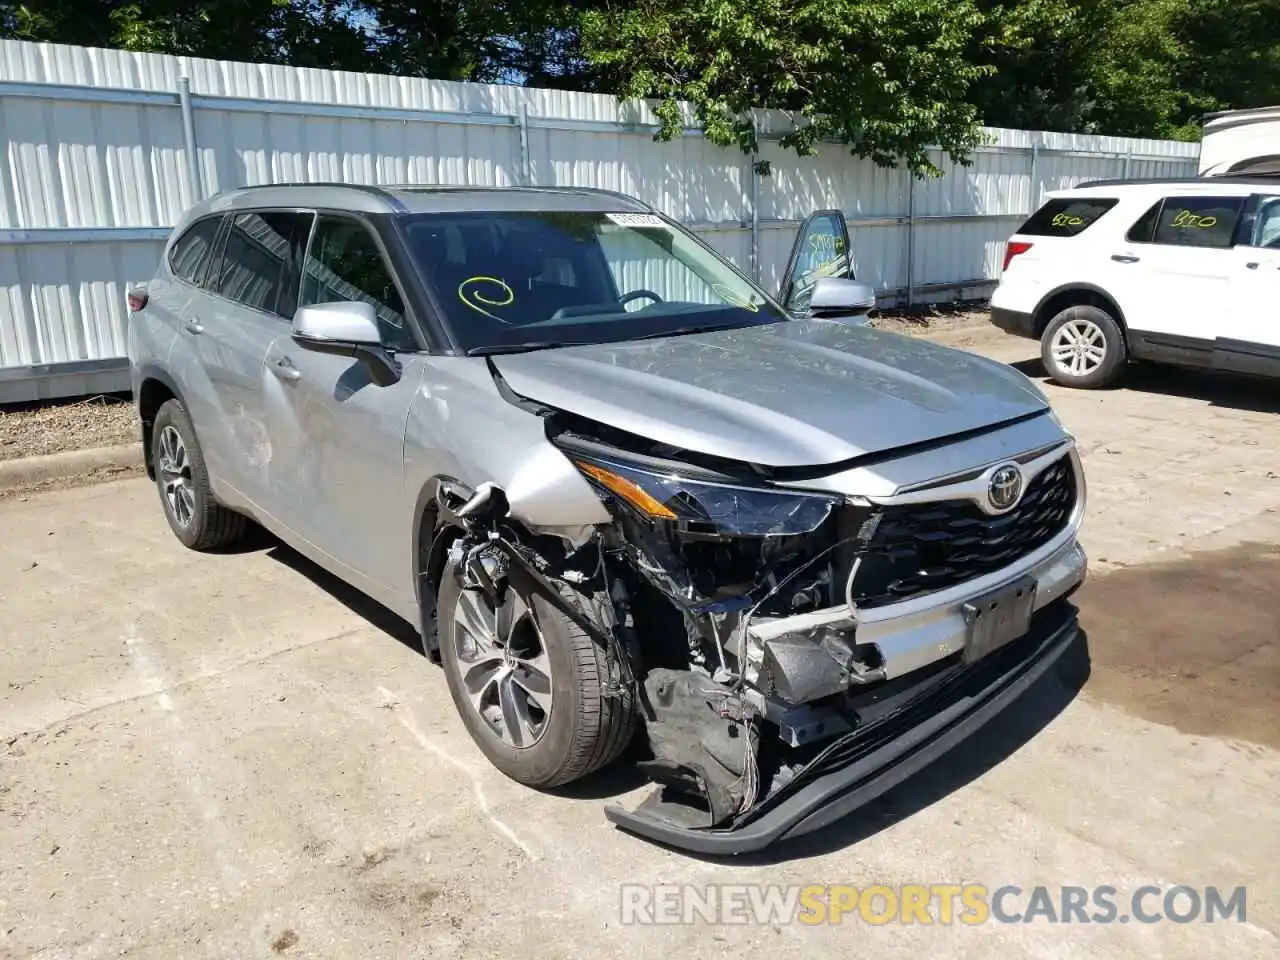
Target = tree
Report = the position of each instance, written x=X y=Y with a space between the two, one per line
x=886 y=77
x=302 y=32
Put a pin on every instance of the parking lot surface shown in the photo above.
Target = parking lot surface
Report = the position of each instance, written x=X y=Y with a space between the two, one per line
x=236 y=756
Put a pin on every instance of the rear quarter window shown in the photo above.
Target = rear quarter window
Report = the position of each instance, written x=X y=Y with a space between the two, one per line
x=1066 y=217
x=189 y=255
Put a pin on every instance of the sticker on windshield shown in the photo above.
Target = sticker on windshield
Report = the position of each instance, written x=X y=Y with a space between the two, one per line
x=636 y=219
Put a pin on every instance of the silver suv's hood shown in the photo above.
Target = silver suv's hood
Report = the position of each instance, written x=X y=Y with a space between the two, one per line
x=799 y=393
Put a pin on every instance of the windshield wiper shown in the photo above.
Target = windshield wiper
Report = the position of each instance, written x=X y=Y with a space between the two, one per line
x=682 y=331
x=495 y=349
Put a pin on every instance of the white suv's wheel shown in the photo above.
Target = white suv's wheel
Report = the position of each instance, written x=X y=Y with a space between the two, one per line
x=1084 y=347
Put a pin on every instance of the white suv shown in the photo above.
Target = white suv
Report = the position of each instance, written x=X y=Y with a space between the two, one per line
x=1177 y=271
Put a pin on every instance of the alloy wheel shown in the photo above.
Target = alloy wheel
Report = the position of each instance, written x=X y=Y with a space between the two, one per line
x=505 y=670
x=1079 y=347
x=175 y=476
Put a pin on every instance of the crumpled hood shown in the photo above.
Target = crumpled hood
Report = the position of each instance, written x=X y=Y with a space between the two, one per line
x=799 y=393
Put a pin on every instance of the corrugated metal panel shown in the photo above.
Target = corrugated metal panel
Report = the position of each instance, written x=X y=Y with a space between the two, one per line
x=96 y=169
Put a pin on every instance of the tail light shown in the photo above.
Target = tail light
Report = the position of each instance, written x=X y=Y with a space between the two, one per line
x=137 y=299
x=1012 y=249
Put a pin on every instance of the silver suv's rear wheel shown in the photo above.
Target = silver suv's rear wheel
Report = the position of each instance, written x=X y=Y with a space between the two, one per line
x=194 y=516
x=1084 y=347
x=528 y=684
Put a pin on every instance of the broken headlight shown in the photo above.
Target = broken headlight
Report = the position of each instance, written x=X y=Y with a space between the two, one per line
x=706 y=506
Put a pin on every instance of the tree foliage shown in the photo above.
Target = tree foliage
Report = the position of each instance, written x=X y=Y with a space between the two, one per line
x=886 y=77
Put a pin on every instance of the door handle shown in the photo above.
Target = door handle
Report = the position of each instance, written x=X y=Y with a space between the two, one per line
x=194 y=326
x=1124 y=258
x=285 y=370
x=1253 y=266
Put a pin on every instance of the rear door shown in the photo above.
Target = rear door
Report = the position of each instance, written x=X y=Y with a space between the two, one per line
x=1249 y=341
x=252 y=289
x=1180 y=251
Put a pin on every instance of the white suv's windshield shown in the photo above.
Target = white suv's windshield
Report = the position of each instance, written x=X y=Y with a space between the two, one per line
x=522 y=281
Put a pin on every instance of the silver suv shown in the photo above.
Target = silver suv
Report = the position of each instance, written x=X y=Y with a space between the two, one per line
x=626 y=496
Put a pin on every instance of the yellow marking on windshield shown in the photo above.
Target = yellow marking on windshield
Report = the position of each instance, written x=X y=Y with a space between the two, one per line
x=473 y=297
x=733 y=298
x=1066 y=220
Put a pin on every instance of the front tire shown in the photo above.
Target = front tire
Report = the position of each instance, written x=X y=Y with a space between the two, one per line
x=528 y=684
x=194 y=516
x=1084 y=347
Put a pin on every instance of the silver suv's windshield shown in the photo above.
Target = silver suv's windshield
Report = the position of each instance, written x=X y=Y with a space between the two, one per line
x=522 y=281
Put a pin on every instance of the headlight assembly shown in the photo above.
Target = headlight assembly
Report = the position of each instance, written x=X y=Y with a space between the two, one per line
x=705 y=506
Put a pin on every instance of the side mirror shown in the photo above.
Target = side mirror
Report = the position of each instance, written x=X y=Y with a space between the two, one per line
x=837 y=298
x=346 y=328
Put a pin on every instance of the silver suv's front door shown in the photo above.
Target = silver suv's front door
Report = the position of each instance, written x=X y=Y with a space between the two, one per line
x=337 y=437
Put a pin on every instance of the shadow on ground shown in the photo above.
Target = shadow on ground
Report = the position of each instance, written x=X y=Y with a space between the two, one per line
x=1229 y=391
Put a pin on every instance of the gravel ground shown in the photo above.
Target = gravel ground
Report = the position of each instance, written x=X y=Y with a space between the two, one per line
x=32 y=430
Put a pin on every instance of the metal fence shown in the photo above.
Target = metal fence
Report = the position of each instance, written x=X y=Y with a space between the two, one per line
x=104 y=149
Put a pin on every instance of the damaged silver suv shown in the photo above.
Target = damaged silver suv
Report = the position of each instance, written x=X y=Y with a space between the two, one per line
x=627 y=497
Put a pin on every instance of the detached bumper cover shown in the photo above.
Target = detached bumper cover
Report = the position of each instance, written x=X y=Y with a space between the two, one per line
x=862 y=765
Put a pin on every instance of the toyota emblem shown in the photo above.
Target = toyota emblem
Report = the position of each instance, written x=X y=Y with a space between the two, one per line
x=1005 y=487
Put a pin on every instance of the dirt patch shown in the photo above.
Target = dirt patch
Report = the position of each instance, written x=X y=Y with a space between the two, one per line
x=283 y=942
x=933 y=318
x=31 y=430
x=1194 y=643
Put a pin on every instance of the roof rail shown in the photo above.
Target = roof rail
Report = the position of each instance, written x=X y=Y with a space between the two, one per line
x=1256 y=179
x=374 y=189
x=444 y=187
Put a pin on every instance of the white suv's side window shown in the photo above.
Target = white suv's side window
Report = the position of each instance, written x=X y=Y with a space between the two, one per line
x=1261 y=226
x=1190 y=222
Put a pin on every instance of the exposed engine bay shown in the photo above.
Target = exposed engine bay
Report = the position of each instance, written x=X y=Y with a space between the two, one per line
x=694 y=585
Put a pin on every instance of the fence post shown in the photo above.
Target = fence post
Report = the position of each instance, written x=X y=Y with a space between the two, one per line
x=1033 y=185
x=911 y=236
x=526 y=165
x=1128 y=159
x=754 y=199
x=194 y=182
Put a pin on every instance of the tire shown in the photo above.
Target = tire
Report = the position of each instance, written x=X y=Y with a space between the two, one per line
x=194 y=516
x=582 y=731
x=1092 y=330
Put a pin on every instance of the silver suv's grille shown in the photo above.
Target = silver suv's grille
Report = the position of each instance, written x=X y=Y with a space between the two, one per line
x=923 y=547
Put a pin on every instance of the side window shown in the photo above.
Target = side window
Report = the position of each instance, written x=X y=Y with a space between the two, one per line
x=189 y=256
x=345 y=264
x=1261 y=225
x=261 y=261
x=1066 y=216
x=1198 y=221
x=1144 y=230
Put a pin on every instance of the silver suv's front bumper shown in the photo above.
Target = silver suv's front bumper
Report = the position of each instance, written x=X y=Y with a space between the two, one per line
x=915 y=633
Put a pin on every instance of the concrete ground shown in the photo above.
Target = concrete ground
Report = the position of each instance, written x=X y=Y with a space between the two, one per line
x=234 y=756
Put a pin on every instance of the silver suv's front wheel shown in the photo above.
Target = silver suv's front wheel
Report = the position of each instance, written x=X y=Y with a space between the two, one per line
x=528 y=684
